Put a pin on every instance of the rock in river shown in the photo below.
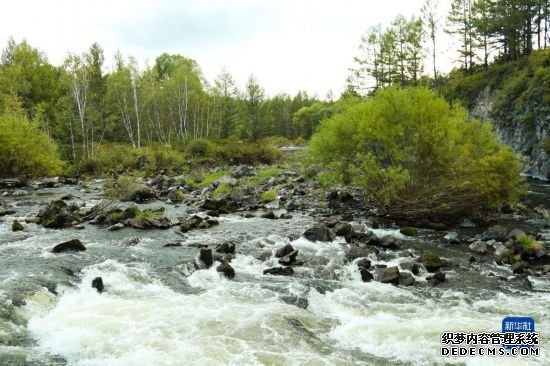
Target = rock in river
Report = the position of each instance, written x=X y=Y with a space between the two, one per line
x=226 y=269
x=279 y=271
x=97 y=283
x=431 y=261
x=58 y=214
x=206 y=257
x=74 y=245
x=388 y=275
x=318 y=233
x=16 y=226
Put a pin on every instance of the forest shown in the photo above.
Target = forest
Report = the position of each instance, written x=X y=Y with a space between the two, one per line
x=84 y=106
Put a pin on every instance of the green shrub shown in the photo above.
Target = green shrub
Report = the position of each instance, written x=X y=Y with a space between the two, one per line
x=269 y=196
x=200 y=148
x=416 y=155
x=528 y=242
x=25 y=149
x=122 y=189
x=546 y=145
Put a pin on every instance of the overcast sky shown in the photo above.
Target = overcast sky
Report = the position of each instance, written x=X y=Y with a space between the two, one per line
x=288 y=45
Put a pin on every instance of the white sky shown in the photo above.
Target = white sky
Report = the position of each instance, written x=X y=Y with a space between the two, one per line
x=288 y=45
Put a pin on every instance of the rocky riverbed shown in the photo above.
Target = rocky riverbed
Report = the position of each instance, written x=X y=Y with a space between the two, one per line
x=192 y=276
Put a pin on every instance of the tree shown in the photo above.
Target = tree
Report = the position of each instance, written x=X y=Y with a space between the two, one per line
x=431 y=20
x=25 y=149
x=415 y=156
x=253 y=126
x=224 y=94
x=459 y=22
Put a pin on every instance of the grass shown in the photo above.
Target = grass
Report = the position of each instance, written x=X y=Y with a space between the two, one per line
x=269 y=196
x=123 y=188
x=211 y=178
x=149 y=214
x=528 y=242
x=264 y=175
x=221 y=190
x=179 y=196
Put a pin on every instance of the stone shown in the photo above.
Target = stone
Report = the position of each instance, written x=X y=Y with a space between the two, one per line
x=342 y=229
x=360 y=252
x=437 y=278
x=388 y=242
x=279 y=271
x=97 y=283
x=226 y=248
x=73 y=245
x=408 y=231
x=142 y=194
x=226 y=269
x=410 y=266
x=116 y=227
x=58 y=214
x=289 y=259
x=519 y=267
x=269 y=215
x=364 y=263
x=406 y=279
x=206 y=257
x=467 y=223
x=318 y=233
x=281 y=252
x=496 y=232
x=431 y=261
x=366 y=276
x=388 y=275
x=16 y=226
x=479 y=247
x=452 y=238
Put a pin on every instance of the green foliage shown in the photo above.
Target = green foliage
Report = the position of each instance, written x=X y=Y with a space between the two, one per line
x=25 y=149
x=122 y=189
x=269 y=196
x=528 y=242
x=179 y=196
x=148 y=214
x=415 y=155
x=200 y=148
x=221 y=190
x=212 y=177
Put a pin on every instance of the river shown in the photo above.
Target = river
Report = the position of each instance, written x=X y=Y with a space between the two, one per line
x=157 y=309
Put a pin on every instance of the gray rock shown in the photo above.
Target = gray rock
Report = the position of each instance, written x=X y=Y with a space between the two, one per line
x=496 y=232
x=366 y=276
x=116 y=227
x=74 y=245
x=206 y=257
x=226 y=269
x=437 y=278
x=97 y=283
x=281 y=252
x=479 y=247
x=452 y=238
x=16 y=226
x=388 y=275
x=406 y=279
x=318 y=233
x=431 y=261
x=410 y=266
x=279 y=271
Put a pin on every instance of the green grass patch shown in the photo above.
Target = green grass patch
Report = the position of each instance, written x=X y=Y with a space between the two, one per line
x=269 y=196
x=211 y=178
x=221 y=190
x=528 y=242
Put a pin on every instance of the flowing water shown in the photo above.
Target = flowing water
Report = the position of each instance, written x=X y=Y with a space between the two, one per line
x=158 y=309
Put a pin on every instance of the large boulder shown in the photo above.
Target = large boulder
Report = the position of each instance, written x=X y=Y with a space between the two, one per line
x=318 y=233
x=58 y=214
x=73 y=245
x=16 y=226
x=496 y=232
x=206 y=257
x=388 y=275
x=479 y=247
x=12 y=183
x=97 y=283
x=226 y=248
x=431 y=261
x=436 y=278
x=226 y=269
x=289 y=259
x=142 y=194
x=408 y=231
x=281 y=252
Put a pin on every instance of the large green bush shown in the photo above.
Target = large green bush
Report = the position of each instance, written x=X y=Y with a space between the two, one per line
x=415 y=155
x=25 y=149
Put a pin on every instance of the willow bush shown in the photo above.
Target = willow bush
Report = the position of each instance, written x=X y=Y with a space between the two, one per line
x=415 y=155
x=25 y=150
